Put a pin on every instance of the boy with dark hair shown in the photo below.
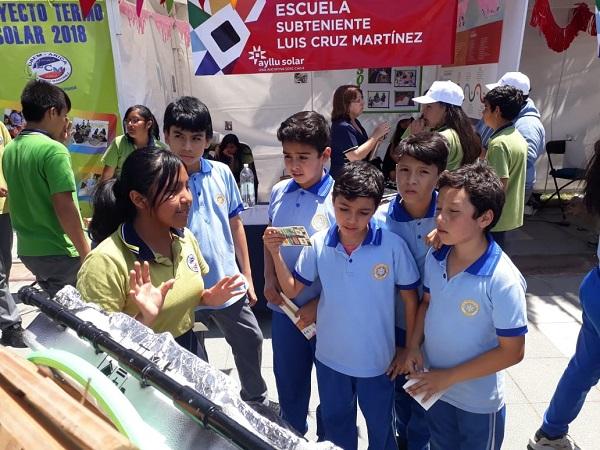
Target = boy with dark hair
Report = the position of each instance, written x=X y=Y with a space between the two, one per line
x=215 y=221
x=411 y=215
x=305 y=200
x=528 y=123
x=360 y=266
x=38 y=172
x=507 y=154
x=472 y=321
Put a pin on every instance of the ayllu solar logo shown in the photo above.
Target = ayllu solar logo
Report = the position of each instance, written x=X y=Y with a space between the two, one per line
x=50 y=67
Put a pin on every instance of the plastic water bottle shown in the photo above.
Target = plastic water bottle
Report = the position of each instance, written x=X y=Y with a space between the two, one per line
x=247 y=186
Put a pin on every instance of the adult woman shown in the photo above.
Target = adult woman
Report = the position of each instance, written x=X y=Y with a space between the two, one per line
x=235 y=154
x=141 y=130
x=147 y=264
x=349 y=140
x=442 y=112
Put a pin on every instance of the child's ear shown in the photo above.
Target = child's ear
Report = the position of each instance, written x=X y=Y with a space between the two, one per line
x=485 y=219
x=326 y=153
x=166 y=135
x=138 y=200
x=208 y=142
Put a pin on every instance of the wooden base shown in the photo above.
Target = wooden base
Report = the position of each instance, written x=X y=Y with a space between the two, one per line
x=36 y=413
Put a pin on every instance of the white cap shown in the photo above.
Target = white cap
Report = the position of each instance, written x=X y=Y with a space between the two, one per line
x=443 y=91
x=517 y=80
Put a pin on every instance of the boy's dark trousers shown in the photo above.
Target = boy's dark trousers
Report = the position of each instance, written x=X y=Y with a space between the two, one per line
x=240 y=328
x=9 y=315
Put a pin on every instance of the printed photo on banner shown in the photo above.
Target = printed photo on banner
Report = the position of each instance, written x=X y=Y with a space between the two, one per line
x=380 y=75
x=390 y=89
x=403 y=98
x=91 y=133
x=404 y=78
x=14 y=121
x=378 y=99
x=87 y=185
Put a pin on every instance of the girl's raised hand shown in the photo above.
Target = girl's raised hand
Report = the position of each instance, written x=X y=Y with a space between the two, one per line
x=225 y=289
x=148 y=299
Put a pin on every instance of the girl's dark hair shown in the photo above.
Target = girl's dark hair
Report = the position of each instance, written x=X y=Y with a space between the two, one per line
x=147 y=115
x=429 y=147
x=483 y=186
x=591 y=192
x=359 y=179
x=154 y=173
x=229 y=139
x=457 y=120
x=342 y=97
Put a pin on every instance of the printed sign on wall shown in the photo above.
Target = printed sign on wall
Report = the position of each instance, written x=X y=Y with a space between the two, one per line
x=260 y=36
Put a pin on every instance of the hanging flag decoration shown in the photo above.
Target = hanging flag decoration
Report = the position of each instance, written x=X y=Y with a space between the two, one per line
x=86 y=6
x=560 y=38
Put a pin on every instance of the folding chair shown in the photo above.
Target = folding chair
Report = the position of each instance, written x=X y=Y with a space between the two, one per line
x=572 y=174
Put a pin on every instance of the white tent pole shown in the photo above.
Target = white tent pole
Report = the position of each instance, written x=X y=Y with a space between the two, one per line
x=114 y=29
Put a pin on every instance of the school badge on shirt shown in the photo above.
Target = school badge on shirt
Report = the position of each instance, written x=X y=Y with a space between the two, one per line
x=192 y=263
x=319 y=222
x=380 y=271
x=220 y=199
x=469 y=308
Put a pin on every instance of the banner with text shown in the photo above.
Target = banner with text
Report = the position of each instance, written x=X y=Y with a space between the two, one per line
x=258 y=36
x=53 y=42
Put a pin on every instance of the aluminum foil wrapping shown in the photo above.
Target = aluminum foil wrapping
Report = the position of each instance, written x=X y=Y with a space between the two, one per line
x=186 y=368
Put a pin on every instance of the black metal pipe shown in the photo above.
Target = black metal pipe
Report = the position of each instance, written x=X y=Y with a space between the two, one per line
x=188 y=400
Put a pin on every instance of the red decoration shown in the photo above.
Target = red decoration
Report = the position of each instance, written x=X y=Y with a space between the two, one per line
x=86 y=6
x=138 y=6
x=557 y=37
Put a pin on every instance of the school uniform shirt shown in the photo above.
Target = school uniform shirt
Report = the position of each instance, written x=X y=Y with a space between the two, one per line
x=120 y=148
x=466 y=315
x=104 y=276
x=507 y=154
x=455 y=150
x=35 y=167
x=312 y=208
x=355 y=325
x=395 y=218
x=215 y=199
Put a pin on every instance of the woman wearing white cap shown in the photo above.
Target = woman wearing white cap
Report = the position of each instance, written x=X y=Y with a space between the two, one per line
x=349 y=140
x=442 y=112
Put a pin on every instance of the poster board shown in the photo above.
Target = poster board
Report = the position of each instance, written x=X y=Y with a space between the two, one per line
x=390 y=89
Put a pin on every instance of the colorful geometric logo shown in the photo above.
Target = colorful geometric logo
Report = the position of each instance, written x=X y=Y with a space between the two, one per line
x=50 y=67
x=219 y=32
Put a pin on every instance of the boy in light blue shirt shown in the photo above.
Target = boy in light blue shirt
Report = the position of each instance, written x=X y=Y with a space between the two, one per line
x=305 y=200
x=472 y=321
x=411 y=215
x=360 y=267
x=214 y=219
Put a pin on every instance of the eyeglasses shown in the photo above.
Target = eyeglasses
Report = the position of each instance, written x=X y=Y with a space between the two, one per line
x=358 y=100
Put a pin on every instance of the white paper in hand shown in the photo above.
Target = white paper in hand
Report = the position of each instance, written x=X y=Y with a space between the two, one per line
x=419 y=397
x=290 y=309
